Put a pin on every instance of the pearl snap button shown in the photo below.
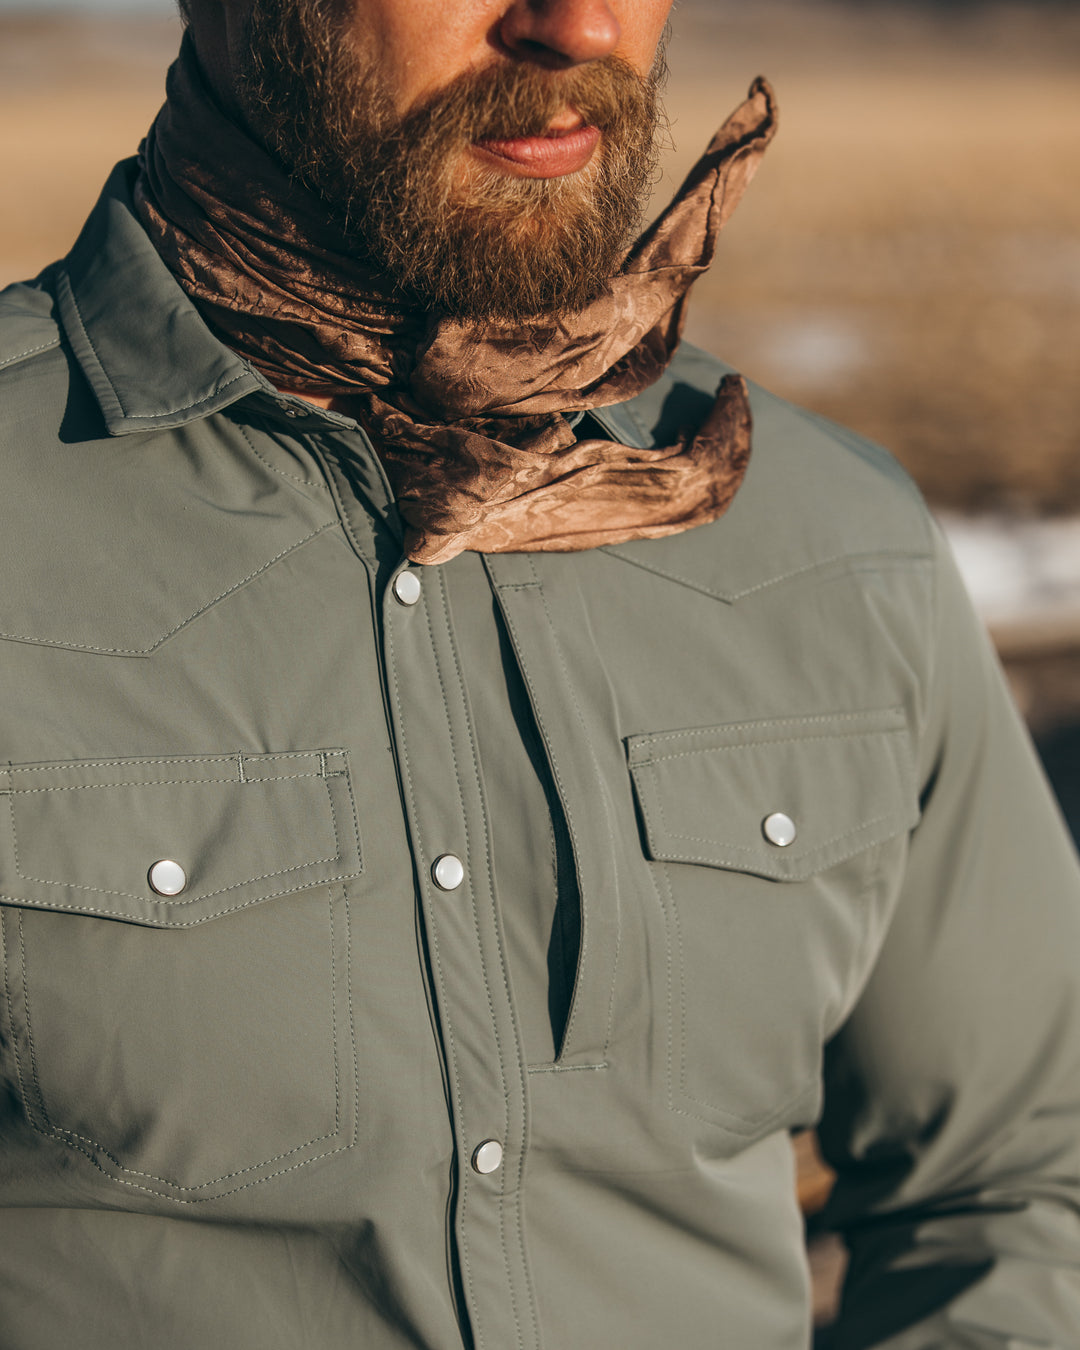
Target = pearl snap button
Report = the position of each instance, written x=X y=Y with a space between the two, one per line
x=487 y=1157
x=167 y=877
x=407 y=588
x=448 y=872
x=779 y=829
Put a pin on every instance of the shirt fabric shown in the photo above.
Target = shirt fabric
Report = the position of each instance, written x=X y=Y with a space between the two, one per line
x=250 y=1113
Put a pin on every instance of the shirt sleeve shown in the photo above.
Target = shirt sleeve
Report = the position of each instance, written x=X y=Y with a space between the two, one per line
x=953 y=1091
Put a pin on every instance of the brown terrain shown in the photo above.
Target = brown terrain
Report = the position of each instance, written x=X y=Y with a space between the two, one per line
x=908 y=260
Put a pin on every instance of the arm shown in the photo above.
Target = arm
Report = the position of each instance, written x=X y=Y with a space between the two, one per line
x=953 y=1091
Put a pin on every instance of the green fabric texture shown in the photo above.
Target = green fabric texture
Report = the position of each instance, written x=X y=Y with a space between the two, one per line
x=246 y=1114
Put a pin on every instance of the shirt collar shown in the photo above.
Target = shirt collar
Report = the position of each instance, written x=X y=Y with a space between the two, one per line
x=148 y=356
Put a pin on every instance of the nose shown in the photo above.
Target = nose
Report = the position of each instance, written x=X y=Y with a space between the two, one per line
x=560 y=33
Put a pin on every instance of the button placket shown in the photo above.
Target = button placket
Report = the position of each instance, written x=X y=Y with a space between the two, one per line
x=446 y=811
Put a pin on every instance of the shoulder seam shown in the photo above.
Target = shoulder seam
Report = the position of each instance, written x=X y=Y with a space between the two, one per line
x=30 y=351
x=857 y=562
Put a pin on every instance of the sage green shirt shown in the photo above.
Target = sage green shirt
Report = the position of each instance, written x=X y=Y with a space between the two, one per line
x=313 y=1100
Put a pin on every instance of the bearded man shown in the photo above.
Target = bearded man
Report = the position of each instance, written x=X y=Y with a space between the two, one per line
x=462 y=808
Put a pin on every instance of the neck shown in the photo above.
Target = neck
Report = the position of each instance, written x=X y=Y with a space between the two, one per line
x=327 y=401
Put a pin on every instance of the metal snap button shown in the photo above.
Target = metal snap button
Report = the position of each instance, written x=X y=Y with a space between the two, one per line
x=448 y=872
x=406 y=588
x=167 y=877
x=487 y=1157
x=779 y=829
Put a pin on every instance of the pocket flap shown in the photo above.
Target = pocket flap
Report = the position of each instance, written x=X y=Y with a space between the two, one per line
x=844 y=781
x=84 y=836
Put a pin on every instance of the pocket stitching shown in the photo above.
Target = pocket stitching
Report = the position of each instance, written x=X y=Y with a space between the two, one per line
x=742 y=1125
x=91 y=909
x=67 y=1136
x=165 y=900
x=256 y=758
x=809 y=857
x=733 y=1122
x=12 y=1024
x=745 y=1126
x=18 y=902
x=723 y=1118
x=767 y=740
x=876 y=718
x=806 y=858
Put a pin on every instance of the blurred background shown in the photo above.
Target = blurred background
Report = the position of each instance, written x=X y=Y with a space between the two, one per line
x=907 y=262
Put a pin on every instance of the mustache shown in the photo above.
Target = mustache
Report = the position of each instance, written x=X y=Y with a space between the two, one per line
x=504 y=101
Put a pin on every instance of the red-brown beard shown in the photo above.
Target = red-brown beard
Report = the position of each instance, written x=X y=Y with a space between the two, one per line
x=453 y=235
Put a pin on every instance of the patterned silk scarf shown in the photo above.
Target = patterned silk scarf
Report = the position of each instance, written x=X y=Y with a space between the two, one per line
x=469 y=419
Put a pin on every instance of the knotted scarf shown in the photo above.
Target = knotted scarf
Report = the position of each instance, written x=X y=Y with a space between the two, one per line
x=469 y=418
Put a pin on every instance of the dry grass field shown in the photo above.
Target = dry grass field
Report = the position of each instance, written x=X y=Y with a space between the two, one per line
x=908 y=259
x=75 y=96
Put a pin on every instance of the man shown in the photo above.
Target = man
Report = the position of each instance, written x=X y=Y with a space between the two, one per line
x=477 y=776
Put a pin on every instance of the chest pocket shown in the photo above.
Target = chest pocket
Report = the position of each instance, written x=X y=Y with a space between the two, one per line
x=780 y=845
x=192 y=1043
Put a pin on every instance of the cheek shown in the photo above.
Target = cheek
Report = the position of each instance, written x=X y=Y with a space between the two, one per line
x=642 y=23
x=398 y=35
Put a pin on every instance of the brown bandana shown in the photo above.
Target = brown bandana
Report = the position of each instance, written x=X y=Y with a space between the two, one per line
x=467 y=417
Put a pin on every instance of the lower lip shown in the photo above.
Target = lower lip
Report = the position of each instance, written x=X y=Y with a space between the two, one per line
x=543 y=156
